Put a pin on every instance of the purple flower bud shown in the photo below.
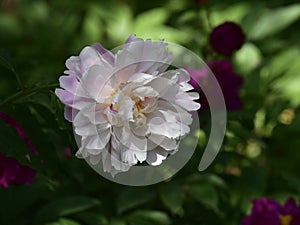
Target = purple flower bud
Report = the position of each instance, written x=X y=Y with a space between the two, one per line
x=227 y=38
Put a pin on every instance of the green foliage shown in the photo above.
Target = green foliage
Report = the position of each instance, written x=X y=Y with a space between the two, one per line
x=64 y=207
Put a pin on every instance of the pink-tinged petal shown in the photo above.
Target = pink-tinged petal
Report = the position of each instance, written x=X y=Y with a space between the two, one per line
x=86 y=130
x=73 y=64
x=95 y=114
x=147 y=55
x=107 y=55
x=164 y=142
x=71 y=84
x=88 y=58
x=70 y=113
x=132 y=38
x=81 y=120
x=71 y=100
x=99 y=141
x=188 y=104
x=125 y=67
x=96 y=83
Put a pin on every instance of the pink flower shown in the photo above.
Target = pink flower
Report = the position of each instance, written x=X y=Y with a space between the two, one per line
x=12 y=172
x=127 y=108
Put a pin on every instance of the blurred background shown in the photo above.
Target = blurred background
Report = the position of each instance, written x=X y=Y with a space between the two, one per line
x=261 y=151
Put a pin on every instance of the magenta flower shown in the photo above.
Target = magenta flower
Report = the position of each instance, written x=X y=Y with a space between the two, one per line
x=12 y=172
x=229 y=82
x=9 y=120
x=270 y=212
x=227 y=38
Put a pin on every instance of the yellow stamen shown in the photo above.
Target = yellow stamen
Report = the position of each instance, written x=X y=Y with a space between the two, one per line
x=286 y=219
x=138 y=106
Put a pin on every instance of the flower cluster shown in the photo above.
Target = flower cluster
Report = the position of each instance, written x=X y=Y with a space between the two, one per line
x=225 y=39
x=12 y=172
x=270 y=212
x=125 y=107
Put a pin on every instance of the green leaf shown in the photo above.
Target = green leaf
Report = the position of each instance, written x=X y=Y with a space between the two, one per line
x=233 y=13
x=273 y=21
x=63 y=207
x=248 y=58
x=281 y=63
x=172 y=196
x=151 y=24
x=64 y=221
x=148 y=217
x=154 y=17
x=132 y=197
x=205 y=194
x=91 y=218
x=120 y=23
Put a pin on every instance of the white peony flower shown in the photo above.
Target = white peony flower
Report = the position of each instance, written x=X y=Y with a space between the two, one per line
x=126 y=108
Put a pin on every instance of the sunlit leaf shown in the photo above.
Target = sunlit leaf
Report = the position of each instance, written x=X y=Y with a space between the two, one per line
x=271 y=22
x=64 y=221
x=148 y=217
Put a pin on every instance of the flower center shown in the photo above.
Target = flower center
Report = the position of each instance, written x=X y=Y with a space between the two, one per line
x=286 y=219
x=138 y=106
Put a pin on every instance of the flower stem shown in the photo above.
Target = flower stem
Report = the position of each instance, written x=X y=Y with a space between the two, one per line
x=26 y=92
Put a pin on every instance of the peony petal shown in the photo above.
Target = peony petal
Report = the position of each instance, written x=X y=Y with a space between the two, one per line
x=164 y=142
x=99 y=141
x=142 y=78
x=107 y=55
x=95 y=159
x=188 y=104
x=86 y=130
x=96 y=83
x=155 y=157
x=71 y=84
x=70 y=113
x=142 y=92
x=72 y=100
